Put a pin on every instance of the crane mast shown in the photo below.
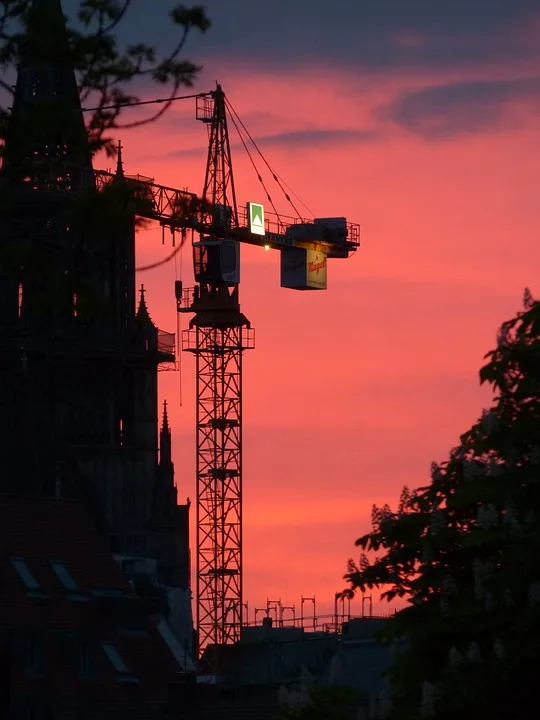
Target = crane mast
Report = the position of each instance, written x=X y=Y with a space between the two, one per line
x=218 y=180
x=217 y=336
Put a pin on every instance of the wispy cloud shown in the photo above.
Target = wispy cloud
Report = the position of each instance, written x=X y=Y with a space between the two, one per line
x=294 y=139
x=444 y=111
x=307 y=138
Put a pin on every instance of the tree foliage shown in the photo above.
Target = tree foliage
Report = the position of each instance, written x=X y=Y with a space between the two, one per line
x=43 y=133
x=465 y=552
x=106 y=71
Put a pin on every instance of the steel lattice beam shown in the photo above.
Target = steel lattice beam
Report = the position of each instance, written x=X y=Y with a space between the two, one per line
x=174 y=208
x=219 y=180
x=218 y=353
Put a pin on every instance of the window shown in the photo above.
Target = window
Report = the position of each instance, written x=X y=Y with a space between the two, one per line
x=65 y=577
x=20 y=299
x=26 y=575
x=115 y=658
x=228 y=257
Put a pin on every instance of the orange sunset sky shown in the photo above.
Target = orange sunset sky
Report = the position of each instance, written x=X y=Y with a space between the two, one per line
x=423 y=128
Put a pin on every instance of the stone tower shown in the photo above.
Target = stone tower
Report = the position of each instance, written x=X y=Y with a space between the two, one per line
x=79 y=353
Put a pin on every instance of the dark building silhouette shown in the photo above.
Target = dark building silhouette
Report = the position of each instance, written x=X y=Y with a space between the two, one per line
x=79 y=353
x=75 y=639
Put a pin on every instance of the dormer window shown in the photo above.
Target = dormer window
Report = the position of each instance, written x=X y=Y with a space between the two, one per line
x=65 y=577
x=111 y=651
x=27 y=576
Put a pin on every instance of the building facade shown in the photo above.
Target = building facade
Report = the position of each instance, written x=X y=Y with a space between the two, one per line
x=79 y=353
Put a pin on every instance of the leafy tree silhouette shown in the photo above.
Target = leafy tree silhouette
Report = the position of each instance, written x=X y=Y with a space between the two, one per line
x=465 y=552
x=105 y=70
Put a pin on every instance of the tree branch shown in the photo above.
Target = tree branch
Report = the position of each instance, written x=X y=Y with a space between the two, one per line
x=157 y=115
x=103 y=70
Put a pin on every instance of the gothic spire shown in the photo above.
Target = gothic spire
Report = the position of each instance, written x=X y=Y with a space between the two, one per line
x=46 y=117
x=119 y=175
x=143 y=315
x=165 y=455
x=165 y=425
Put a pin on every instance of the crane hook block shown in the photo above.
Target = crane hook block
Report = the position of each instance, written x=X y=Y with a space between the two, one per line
x=178 y=289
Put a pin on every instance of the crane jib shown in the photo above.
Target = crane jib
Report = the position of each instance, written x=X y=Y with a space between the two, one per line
x=276 y=239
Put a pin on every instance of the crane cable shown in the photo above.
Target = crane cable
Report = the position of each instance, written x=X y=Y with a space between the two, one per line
x=279 y=180
x=274 y=173
x=289 y=188
x=233 y=114
x=166 y=259
x=259 y=176
x=137 y=103
x=178 y=328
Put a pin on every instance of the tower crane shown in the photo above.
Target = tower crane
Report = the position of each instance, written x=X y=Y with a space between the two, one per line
x=218 y=334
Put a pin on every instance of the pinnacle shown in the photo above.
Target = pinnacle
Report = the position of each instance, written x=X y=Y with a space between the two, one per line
x=142 y=312
x=46 y=118
x=119 y=162
x=165 y=416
